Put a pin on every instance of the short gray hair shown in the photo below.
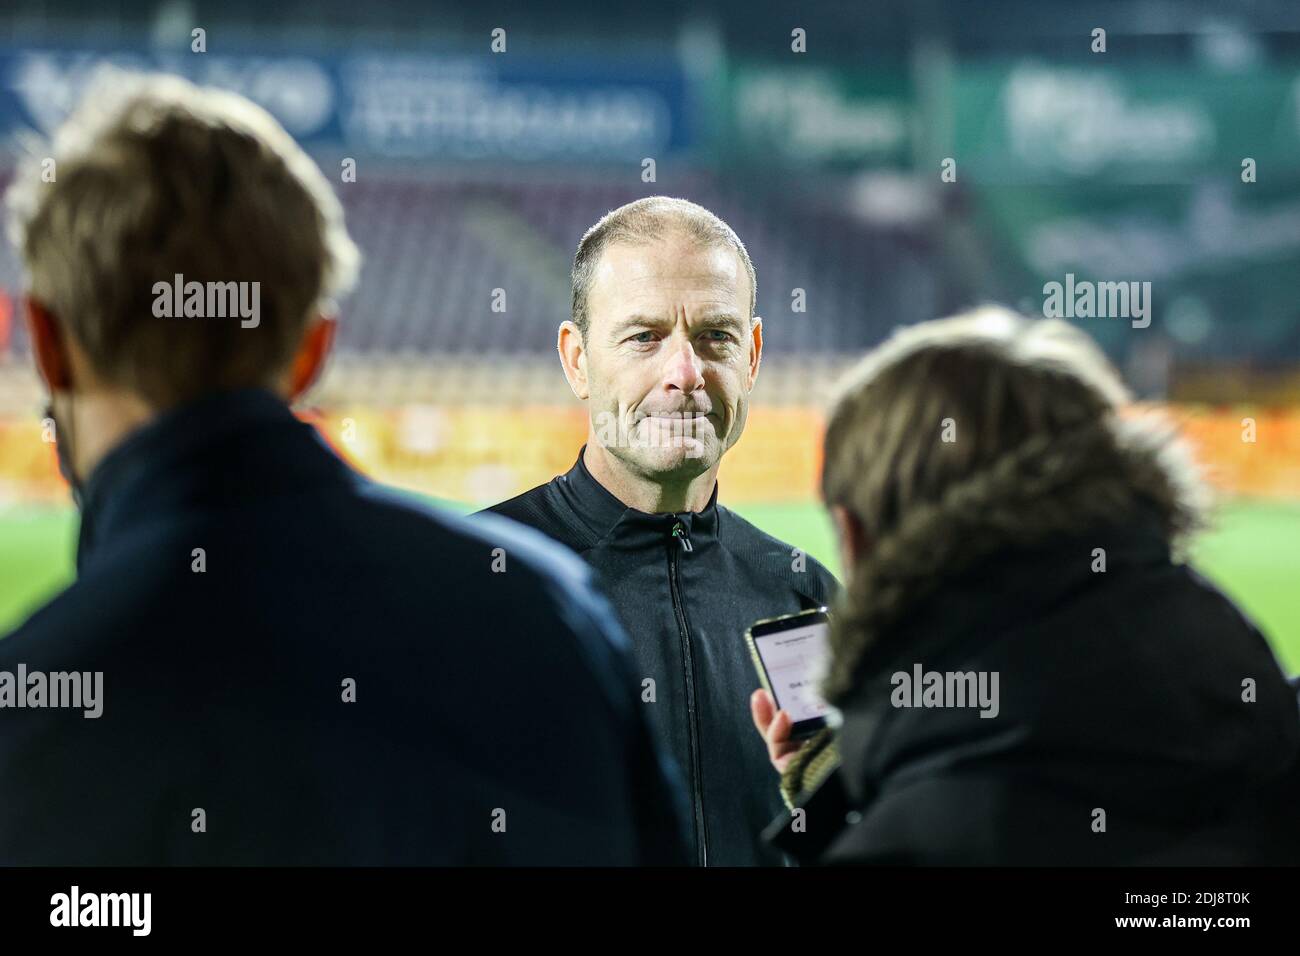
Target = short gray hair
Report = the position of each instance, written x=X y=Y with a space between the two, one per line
x=646 y=220
x=154 y=177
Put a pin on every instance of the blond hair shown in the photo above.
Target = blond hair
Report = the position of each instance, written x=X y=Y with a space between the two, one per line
x=967 y=436
x=155 y=177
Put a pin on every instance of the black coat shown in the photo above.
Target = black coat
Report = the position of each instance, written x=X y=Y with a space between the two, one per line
x=1120 y=691
x=686 y=587
x=476 y=692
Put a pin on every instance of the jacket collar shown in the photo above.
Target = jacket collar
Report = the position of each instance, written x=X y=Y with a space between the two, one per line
x=604 y=516
x=1042 y=613
x=1013 y=586
x=197 y=453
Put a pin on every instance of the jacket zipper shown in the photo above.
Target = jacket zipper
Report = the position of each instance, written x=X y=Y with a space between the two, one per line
x=683 y=539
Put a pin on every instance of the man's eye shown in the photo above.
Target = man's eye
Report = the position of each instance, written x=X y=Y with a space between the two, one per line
x=717 y=335
x=644 y=338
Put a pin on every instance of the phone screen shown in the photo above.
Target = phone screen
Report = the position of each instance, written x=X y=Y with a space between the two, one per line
x=795 y=661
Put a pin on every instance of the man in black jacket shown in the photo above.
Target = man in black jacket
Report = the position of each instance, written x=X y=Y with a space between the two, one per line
x=254 y=665
x=664 y=347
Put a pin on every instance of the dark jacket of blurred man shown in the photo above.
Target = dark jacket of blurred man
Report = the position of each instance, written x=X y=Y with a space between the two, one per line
x=1028 y=673
x=664 y=347
x=259 y=667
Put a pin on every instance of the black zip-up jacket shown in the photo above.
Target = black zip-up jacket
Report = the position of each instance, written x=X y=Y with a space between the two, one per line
x=686 y=587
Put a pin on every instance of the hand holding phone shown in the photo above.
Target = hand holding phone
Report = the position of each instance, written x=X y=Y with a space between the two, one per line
x=790 y=654
x=774 y=727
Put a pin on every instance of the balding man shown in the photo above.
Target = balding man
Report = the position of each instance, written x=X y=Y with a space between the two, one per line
x=664 y=347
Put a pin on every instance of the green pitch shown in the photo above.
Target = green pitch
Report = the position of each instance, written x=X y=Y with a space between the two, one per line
x=1253 y=554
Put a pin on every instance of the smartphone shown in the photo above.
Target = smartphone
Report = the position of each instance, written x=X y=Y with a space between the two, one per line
x=791 y=653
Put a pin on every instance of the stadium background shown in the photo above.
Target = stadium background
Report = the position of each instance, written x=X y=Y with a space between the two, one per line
x=477 y=172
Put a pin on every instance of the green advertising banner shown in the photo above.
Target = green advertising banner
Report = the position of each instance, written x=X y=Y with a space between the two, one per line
x=1221 y=256
x=1033 y=121
x=813 y=115
x=1082 y=175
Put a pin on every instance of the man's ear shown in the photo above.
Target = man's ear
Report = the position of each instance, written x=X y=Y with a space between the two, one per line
x=851 y=535
x=49 y=347
x=756 y=353
x=314 y=349
x=573 y=356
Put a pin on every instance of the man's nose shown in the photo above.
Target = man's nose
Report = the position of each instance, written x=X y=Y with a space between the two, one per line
x=684 y=370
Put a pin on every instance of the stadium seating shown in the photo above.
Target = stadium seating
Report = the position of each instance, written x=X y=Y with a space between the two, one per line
x=437 y=244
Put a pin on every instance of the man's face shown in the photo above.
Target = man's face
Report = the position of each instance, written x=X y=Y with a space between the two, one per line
x=671 y=354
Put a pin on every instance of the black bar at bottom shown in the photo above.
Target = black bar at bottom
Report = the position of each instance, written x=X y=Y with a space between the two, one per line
x=333 y=905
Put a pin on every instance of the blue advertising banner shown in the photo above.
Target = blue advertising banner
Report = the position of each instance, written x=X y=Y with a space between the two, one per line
x=418 y=106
